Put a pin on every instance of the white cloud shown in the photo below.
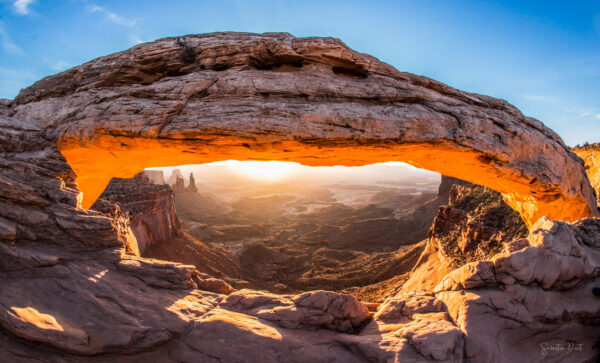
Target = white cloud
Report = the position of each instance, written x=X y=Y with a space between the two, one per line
x=22 y=6
x=8 y=45
x=135 y=39
x=541 y=98
x=110 y=16
x=587 y=114
x=61 y=66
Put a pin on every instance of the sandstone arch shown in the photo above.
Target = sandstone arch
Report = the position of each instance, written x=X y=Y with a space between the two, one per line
x=204 y=98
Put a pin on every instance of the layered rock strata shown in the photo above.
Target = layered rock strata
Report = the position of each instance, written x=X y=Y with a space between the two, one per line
x=220 y=96
x=473 y=224
x=591 y=156
x=72 y=293
x=155 y=225
x=151 y=209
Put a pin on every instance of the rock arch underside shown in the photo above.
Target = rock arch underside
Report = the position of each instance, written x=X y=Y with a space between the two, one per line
x=310 y=100
x=71 y=291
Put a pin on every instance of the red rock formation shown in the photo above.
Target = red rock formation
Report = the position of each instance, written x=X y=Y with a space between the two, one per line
x=474 y=225
x=70 y=292
x=156 y=227
x=192 y=188
x=591 y=156
x=156 y=176
x=179 y=186
x=310 y=100
x=175 y=174
x=151 y=209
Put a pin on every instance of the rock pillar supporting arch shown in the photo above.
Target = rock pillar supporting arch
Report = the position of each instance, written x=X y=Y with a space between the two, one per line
x=219 y=96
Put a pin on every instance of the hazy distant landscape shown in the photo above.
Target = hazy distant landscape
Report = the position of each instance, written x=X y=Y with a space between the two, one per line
x=294 y=227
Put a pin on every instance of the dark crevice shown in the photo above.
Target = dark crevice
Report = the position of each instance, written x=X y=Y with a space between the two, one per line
x=354 y=72
x=219 y=67
x=187 y=54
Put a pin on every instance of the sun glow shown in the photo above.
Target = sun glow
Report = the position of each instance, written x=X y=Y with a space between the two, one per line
x=266 y=171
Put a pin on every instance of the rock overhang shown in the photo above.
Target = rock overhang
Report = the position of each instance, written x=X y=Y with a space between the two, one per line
x=220 y=96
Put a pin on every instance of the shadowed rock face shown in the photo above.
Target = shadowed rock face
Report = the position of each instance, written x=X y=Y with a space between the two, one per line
x=155 y=225
x=591 y=157
x=475 y=225
x=151 y=209
x=221 y=96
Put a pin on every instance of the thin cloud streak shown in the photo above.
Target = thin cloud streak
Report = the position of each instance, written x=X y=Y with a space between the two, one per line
x=14 y=79
x=60 y=66
x=135 y=39
x=112 y=17
x=7 y=44
x=540 y=98
x=22 y=6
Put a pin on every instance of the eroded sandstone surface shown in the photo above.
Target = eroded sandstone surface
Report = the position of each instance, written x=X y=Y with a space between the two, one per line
x=591 y=157
x=155 y=225
x=74 y=293
x=73 y=288
x=219 y=96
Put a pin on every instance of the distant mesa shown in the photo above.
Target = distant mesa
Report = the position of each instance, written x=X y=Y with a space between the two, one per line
x=179 y=185
x=175 y=174
x=192 y=187
x=155 y=176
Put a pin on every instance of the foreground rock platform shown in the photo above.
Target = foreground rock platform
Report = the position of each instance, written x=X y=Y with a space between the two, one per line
x=210 y=97
x=71 y=291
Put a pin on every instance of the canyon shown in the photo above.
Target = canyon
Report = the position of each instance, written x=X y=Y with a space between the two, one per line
x=74 y=284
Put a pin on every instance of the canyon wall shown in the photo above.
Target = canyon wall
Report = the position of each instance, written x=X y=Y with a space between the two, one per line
x=151 y=209
x=221 y=96
x=591 y=157
x=155 y=225
x=473 y=224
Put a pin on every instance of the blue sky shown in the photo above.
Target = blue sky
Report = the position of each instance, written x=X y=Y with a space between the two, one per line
x=542 y=56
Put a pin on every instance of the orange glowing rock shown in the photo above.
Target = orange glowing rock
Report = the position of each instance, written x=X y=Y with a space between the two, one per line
x=309 y=100
x=591 y=158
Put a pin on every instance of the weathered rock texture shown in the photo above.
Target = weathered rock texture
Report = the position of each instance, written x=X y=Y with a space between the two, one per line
x=475 y=225
x=203 y=98
x=151 y=209
x=499 y=286
x=155 y=225
x=591 y=157
x=71 y=292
